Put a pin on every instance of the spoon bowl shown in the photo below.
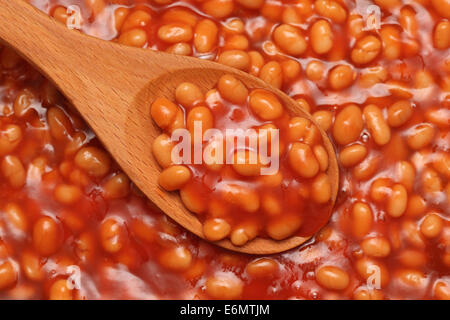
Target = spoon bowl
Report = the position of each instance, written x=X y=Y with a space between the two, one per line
x=112 y=86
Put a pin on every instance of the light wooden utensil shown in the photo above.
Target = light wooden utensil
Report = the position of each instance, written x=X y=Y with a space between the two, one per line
x=112 y=86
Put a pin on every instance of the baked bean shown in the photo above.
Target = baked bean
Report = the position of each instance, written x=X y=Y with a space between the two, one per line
x=216 y=229
x=368 y=294
x=205 y=36
x=391 y=39
x=271 y=205
x=366 y=50
x=191 y=200
x=410 y=232
x=273 y=180
x=112 y=235
x=321 y=188
x=224 y=286
x=331 y=9
x=23 y=104
x=362 y=219
x=8 y=275
x=180 y=14
x=78 y=140
x=302 y=129
x=31 y=266
x=60 y=14
x=399 y=113
x=235 y=58
x=251 y=4
x=352 y=155
x=272 y=74
x=93 y=161
x=201 y=117
x=323 y=118
x=406 y=174
x=12 y=169
x=47 y=236
x=180 y=48
x=431 y=181
x=366 y=168
x=174 y=177
x=348 y=125
x=290 y=40
x=176 y=259
x=283 y=227
x=175 y=32
x=291 y=70
x=241 y=196
x=378 y=247
x=188 y=95
x=262 y=267
x=321 y=37
x=301 y=158
x=134 y=38
x=408 y=20
x=256 y=62
x=136 y=19
x=291 y=16
x=315 y=70
x=59 y=124
x=60 y=291
x=420 y=136
x=120 y=15
x=332 y=278
x=237 y=42
x=265 y=104
x=232 y=89
x=441 y=163
x=10 y=137
x=416 y=206
x=355 y=25
x=367 y=268
x=322 y=156
x=341 y=77
x=397 y=202
x=234 y=26
x=371 y=76
x=380 y=131
x=16 y=217
x=412 y=258
x=163 y=112
x=431 y=225
x=117 y=186
x=218 y=8
x=241 y=235
x=441 y=35
x=303 y=104
x=247 y=163
x=380 y=189
x=442 y=290
x=410 y=277
x=67 y=194
x=423 y=79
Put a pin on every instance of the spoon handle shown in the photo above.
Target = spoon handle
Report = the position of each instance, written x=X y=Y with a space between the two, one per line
x=80 y=65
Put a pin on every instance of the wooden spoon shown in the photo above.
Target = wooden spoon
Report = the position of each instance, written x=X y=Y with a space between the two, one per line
x=112 y=86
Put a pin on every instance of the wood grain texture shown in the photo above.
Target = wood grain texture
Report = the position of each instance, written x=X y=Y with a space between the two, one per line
x=112 y=86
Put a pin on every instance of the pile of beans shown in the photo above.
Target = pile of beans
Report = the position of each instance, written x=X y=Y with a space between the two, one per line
x=72 y=226
x=232 y=195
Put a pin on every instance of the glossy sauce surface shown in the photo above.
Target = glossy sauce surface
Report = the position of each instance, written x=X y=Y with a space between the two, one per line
x=382 y=94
